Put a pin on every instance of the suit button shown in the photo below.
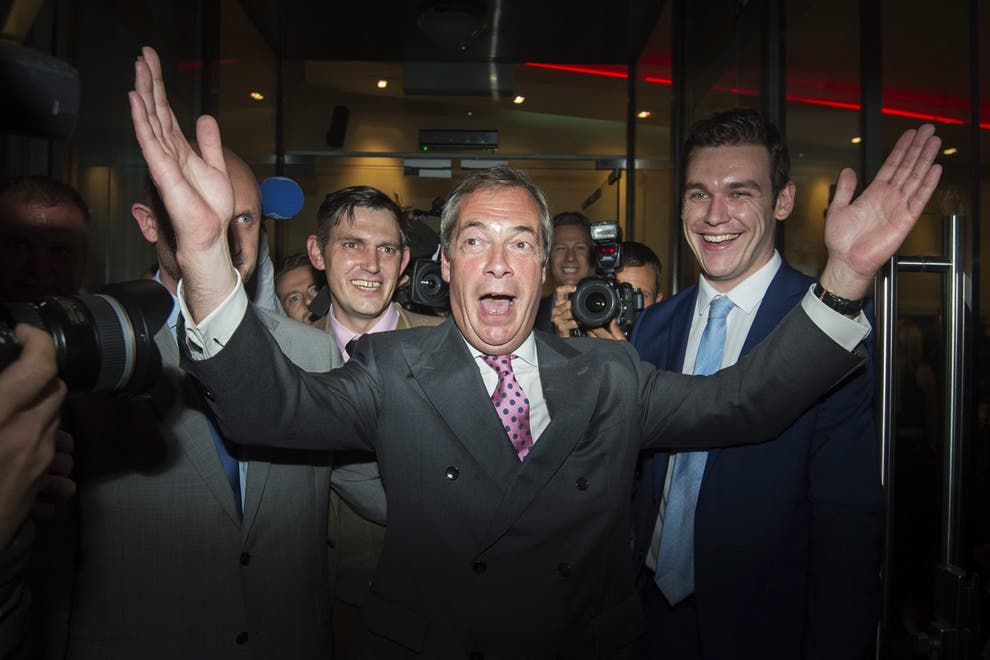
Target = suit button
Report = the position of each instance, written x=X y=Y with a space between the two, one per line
x=564 y=569
x=453 y=472
x=245 y=558
x=479 y=567
x=582 y=483
x=241 y=638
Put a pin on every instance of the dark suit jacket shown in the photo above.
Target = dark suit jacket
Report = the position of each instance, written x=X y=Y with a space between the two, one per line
x=544 y=314
x=167 y=568
x=788 y=534
x=483 y=553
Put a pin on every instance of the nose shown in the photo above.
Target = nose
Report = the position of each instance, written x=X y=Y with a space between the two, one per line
x=498 y=262
x=718 y=211
x=308 y=296
x=234 y=241
x=371 y=260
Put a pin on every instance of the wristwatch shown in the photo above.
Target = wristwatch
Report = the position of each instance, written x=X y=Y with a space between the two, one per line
x=839 y=304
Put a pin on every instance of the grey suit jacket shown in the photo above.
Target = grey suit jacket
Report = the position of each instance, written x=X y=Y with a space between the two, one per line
x=167 y=568
x=483 y=553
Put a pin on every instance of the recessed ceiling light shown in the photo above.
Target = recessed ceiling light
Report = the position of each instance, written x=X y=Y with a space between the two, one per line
x=382 y=84
x=257 y=96
x=950 y=151
x=518 y=100
x=856 y=140
x=643 y=114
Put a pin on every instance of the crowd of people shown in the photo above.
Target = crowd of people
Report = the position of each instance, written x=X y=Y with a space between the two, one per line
x=333 y=480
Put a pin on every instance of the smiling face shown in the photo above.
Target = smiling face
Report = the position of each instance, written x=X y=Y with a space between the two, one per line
x=495 y=268
x=570 y=256
x=363 y=259
x=729 y=216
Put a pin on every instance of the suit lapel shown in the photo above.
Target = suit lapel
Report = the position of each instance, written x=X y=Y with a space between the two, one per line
x=450 y=379
x=570 y=396
x=177 y=403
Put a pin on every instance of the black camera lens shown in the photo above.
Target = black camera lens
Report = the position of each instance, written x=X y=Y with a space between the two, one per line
x=104 y=342
x=594 y=302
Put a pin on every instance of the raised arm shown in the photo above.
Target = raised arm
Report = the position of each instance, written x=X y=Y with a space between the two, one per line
x=196 y=189
x=862 y=235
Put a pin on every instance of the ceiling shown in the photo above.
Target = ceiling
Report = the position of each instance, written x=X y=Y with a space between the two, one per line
x=514 y=30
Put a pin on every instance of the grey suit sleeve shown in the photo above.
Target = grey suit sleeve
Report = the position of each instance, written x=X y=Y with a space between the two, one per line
x=258 y=397
x=751 y=401
x=360 y=485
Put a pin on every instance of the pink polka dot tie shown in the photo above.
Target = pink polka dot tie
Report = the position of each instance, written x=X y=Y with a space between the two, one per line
x=511 y=404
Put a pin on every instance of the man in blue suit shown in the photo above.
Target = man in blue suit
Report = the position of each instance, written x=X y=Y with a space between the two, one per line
x=771 y=550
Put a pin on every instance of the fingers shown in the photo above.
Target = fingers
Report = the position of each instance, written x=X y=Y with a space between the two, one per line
x=890 y=166
x=32 y=376
x=210 y=147
x=917 y=202
x=918 y=158
x=62 y=464
x=162 y=110
x=845 y=186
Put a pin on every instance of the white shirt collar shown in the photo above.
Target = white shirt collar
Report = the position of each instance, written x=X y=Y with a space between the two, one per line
x=747 y=294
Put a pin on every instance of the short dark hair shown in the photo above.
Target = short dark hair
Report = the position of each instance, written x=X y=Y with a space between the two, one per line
x=41 y=190
x=294 y=261
x=341 y=203
x=495 y=178
x=741 y=127
x=638 y=254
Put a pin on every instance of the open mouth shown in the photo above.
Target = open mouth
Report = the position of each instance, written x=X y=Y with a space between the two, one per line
x=496 y=304
x=719 y=238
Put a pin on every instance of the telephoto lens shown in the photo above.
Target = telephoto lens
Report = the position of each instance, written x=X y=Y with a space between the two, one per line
x=104 y=342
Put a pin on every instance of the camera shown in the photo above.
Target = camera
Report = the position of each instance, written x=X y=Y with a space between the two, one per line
x=425 y=286
x=600 y=298
x=104 y=342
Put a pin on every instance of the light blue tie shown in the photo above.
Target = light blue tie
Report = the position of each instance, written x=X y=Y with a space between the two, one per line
x=675 y=557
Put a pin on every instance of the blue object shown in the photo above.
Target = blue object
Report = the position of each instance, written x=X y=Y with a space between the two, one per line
x=281 y=198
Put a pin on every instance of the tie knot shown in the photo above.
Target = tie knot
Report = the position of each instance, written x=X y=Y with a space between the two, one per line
x=502 y=364
x=720 y=307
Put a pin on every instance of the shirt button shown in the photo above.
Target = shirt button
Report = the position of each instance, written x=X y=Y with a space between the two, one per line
x=245 y=558
x=453 y=472
x=582 y=483
x=241 y=638
x=479 y=567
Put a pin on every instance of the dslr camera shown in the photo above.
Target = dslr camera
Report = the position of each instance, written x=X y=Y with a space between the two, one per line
x=425 y=286
x=600 y=298
x=104 y=342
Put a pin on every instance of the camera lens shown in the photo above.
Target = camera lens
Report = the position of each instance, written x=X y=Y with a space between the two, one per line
x=104 y=342
x=594 y=302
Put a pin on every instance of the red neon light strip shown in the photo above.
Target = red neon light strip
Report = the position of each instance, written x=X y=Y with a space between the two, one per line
x=594 y=71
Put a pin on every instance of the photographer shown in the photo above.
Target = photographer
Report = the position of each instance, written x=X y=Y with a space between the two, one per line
x=640 y=269
x=30 y=398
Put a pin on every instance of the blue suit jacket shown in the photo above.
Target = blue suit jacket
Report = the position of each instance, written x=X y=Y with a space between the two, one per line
x=788 y=533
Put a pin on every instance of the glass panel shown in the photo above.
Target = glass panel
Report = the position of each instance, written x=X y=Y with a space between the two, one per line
x=654 y=176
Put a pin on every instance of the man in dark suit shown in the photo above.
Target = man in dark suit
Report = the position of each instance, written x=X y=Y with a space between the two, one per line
x=787 y=534
x=507 y=524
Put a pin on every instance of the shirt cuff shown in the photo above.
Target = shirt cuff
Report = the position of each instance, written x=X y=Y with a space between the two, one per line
x=207 y=338
x=846 y=332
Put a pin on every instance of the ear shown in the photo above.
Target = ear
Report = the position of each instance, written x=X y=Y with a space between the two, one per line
x=785 y=202
x=313 y=250
x=444 y=266
x=659 y=297
x=405 y=259
x=146 y=222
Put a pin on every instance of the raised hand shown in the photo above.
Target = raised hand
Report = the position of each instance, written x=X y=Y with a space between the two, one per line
x=862 y=236
x=195 y=187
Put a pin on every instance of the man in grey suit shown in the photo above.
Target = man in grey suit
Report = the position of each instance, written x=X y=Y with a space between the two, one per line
x=501 y=546
x=188 y=547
